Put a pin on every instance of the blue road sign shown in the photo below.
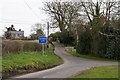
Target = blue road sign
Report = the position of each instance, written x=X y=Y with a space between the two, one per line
x=42 y=39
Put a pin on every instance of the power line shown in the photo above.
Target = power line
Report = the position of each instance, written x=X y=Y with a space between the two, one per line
x=20 y=22
x=31 y=9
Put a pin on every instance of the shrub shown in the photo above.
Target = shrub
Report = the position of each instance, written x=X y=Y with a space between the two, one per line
x=84 y=43
x=31 y=46
x=19 y=46
x=107 y=45
x=55 y=36
x=67 y=38
x=110 y=47
x=11 y=46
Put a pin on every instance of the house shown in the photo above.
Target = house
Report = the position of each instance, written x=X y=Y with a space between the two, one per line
x=16 y=34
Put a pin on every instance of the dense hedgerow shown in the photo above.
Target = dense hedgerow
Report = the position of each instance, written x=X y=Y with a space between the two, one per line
x=84 y=43
x=108 y=44
x=9 y=46
x=65 y=37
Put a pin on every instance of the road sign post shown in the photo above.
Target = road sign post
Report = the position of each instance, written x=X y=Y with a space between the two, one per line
x=43 y=49
x=42 y=40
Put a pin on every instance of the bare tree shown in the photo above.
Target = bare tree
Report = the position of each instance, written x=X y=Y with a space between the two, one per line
x=62 y=13
x=38 y=28
x=99 y=9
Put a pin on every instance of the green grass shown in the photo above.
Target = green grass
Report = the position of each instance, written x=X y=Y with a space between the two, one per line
x=29 y=61
x=90 y=57
x=100 y=72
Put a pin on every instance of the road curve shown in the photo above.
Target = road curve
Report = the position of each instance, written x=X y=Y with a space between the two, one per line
x=71 y=66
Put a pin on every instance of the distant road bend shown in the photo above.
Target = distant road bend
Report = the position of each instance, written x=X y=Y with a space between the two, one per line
x=71 y=66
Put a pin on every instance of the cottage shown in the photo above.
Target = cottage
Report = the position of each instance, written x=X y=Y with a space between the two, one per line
x=16 y=34
x=12 y=33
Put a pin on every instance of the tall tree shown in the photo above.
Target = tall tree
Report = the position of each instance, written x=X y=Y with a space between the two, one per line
x=62 y=13
x=99 y=9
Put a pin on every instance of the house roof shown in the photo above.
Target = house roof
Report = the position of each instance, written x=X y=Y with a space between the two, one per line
x=16 y=32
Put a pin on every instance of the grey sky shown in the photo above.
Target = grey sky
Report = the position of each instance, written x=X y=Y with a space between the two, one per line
x=22 y=14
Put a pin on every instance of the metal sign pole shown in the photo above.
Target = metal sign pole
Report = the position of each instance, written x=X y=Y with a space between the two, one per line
x=43 y=49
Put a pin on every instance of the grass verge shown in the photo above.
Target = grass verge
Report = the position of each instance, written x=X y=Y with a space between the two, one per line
x=100 y=72
x=90 y=57
x=25 y=62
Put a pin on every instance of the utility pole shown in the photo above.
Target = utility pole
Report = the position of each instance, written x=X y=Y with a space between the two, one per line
x=48 y=34
x=48 y=29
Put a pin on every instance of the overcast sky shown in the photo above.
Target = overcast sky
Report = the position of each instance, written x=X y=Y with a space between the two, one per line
x=22 y=14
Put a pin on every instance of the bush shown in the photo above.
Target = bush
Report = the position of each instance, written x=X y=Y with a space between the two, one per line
x=31 y=46
x=107 y=45
x=55 y=36
x=84 y=43
x=19 y=46
x=67 y=38
x=110 y=46
x=11 y=46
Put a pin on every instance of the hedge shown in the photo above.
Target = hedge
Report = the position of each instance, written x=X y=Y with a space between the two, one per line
x=108 y=43
x=11 y=46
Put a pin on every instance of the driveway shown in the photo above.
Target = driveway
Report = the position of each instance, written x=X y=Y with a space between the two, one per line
x=71 y=66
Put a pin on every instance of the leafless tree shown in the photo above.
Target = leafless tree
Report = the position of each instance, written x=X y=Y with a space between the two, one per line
x=99 y=9
x=38 y=28
x=62 y=13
